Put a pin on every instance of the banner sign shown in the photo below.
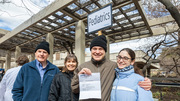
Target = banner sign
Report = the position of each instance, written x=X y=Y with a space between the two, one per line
x=100 y=19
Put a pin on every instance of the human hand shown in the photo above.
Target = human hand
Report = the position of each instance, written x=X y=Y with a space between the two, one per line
x=146 y=84
x=85 y=71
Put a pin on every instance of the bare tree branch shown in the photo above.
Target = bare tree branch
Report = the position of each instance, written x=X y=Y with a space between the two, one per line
x=172 y=9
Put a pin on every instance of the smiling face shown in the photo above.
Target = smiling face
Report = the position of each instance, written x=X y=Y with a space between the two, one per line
x=97 y=53
x=41 y=55
x=71 y=64
x=124 y=59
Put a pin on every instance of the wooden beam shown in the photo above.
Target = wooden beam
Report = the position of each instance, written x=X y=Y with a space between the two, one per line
x=63 y=27
x=161 y=20
x=121 y=5
x=142 y=13
x=4 y=32
x=49 y=10
x=156 y=32
x=129 y=30
x=162 y=30
x=70 y=15
x=28 y=41
x=132 y=38
x=113 y=8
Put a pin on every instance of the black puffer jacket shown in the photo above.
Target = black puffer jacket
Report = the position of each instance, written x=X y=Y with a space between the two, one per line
x=61 y=88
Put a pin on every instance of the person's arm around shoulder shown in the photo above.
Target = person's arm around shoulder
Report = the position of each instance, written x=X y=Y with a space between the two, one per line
x=55 y=88
x=144 y=95
x=17 y=90
x=146 y=84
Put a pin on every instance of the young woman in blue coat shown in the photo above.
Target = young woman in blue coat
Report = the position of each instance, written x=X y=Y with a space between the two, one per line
x=125 y=86
x=61 y=85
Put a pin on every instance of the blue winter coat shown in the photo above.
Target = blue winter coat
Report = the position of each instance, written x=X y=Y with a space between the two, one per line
x=28 y=87
x=126 y=88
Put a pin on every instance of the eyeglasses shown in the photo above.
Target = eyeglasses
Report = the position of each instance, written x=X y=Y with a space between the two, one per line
x=123 y=58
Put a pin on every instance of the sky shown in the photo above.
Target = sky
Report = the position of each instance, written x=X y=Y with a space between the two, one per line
x=17 y=11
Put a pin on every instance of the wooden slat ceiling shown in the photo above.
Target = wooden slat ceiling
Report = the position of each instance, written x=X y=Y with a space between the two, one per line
x=128 y=22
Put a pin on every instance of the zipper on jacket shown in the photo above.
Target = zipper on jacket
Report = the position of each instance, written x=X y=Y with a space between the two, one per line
x=43 y=83
x=40 y=93
x=41 y=86
x=116 y=87
x=40 y=83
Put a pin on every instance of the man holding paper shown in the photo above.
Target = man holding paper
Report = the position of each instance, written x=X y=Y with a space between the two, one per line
x=99 y=64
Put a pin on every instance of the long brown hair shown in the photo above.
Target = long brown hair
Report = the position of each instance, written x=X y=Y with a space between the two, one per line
x=133 y=56
x=68 y=57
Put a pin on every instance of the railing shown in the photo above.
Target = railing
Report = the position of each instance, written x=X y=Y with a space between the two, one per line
x=167 y=84
x=157 y=82
x=163 y=78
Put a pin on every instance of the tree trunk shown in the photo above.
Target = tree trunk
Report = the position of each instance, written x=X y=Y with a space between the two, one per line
x=179 y=38
x=172 y=9
x=174 y=13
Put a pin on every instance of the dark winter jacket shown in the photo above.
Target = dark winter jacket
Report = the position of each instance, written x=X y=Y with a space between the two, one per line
x=61 y=88
x=28 y=87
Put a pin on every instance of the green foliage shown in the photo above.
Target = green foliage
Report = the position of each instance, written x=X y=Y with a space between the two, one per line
x=156 y=95
x=166 y=89
x=167 y=93
x=178 y=93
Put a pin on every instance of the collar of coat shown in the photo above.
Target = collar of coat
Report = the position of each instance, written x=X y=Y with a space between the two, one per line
x=32 y=64
x=98 y=63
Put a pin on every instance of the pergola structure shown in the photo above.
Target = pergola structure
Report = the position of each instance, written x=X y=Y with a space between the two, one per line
x=61 y=17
